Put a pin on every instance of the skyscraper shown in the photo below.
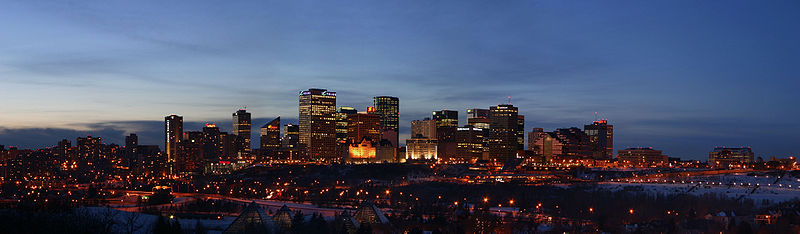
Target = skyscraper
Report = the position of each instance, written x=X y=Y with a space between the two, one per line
x=241 y=128
x=341 y=123
x=423 y=128
x=212 y=142
x=271 y=137
x=388 y=108
x=520 y=132
x=601 y=135
x=477 y=113
x=318 y=123
x=363 y=125
x=173 y=131
x=446 y=125
x=469 y=143
x=503 y=143
x=190 y=156
x=290 y=143
x=131 y=146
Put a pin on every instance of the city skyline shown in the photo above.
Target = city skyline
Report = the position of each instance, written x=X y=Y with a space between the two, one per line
x=685 y=78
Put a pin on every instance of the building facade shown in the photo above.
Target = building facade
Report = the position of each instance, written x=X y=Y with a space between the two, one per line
x=173 y=132
x=470 y=144
x=642 y=156
x=601 y=135
x=423 y=128
x=725 y=157
x=271 y=138
x=242 y=126
x=318 y=124
x=363 y=125
x=388 y=108
x=503 y=143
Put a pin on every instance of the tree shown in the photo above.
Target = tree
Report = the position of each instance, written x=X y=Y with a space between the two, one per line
x=132 y=222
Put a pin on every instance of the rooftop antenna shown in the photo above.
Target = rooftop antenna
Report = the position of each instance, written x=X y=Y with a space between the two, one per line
x=595 y=116
x=509 y=100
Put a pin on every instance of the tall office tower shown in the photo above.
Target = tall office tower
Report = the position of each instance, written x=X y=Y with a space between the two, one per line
x=725 y=157
x=601 y=136
x=520 y=132
x=190 y=158
x=477 y=113
x=89 y=147
x=173 y=131
x=212 y=143
x=469 y=143
x=389 y=110
x=241 y=128
x=341 y=123
x=318 y=124
x=423 y=128
x=503 y=142
x=229 y=146
x=131 y=145
x=63 y=148
x=342 y=143
x=290 y=143
x=271 y=137
x=363 y=125
x=446 y=124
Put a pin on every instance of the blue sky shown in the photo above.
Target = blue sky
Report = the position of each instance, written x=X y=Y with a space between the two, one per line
x=682 y=76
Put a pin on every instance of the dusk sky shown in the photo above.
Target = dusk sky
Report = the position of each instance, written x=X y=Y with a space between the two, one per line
x=681 y=76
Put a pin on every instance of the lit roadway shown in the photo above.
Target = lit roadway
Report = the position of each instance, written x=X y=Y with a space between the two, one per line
x=189 y=197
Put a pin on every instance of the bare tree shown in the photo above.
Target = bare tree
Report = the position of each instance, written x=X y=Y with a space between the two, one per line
x=132 y=222
x=108 y=219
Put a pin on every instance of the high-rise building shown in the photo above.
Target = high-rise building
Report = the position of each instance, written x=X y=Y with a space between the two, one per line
x=520 y=132
x=63 y=148
x=477 y=113
x=642 y=156
x=423 y=128
x=363 y=125
x=271 y=136
x=290 y=143
x=131 y=140
x=388 y=108
x=341 y=123
x=503 y=143
x=212 y=143
x=173 y=131
x=724 y=157
x=446 y=124
x=190 y=156
x=469 y=144
x=601 y=135
x=230 y=146
x=242 y=126
x=318 y=124
x=89 y=147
